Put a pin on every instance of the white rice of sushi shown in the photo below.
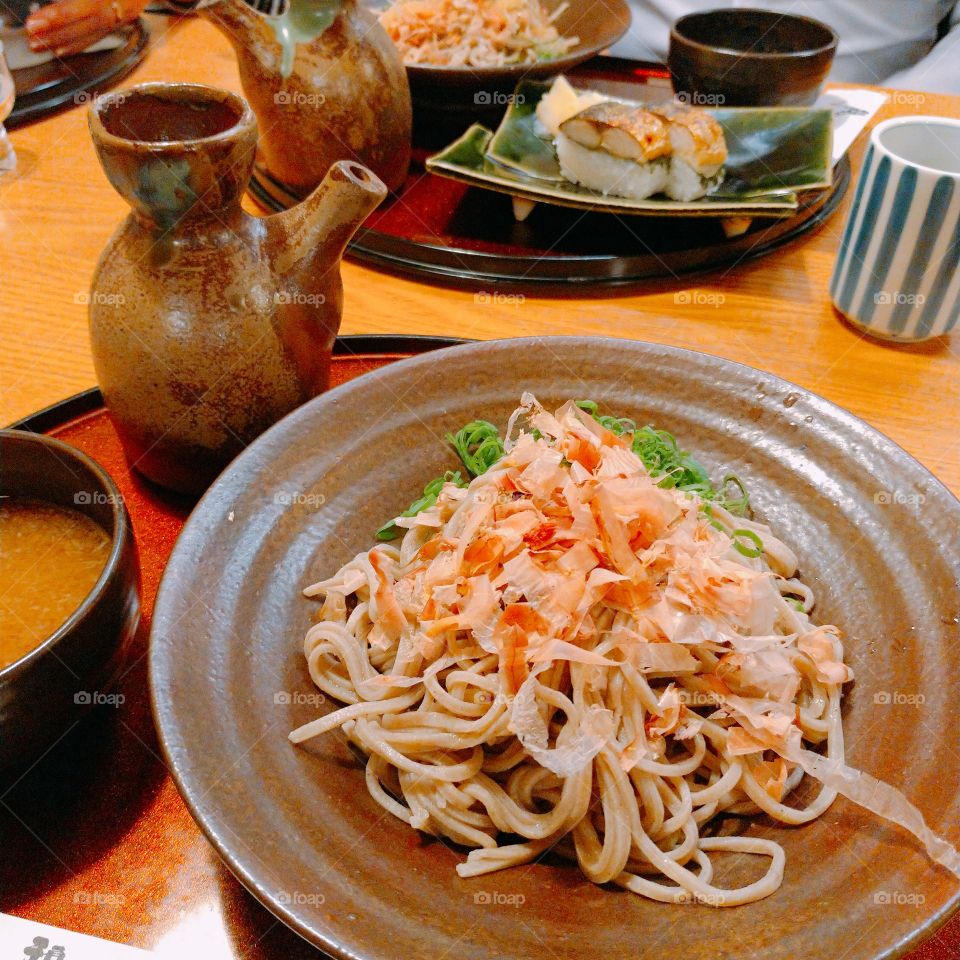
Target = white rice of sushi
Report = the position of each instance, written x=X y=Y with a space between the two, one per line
x=607 y=174
x=685 y=183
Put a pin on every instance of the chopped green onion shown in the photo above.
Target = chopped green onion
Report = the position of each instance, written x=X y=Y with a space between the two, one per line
x=708 y=513
x=755 y=551
x=662 y=456
x=737 y=505
x=796 y=604
x=390 y=531
x=478 y=446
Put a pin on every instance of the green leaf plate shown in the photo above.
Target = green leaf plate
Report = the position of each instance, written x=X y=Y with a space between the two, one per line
x=773 y=152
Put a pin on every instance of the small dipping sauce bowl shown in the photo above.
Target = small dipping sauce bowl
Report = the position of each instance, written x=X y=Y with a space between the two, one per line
x=49 y=688
x=749 y=58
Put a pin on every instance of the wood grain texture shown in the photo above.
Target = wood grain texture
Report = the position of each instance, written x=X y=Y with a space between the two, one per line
x=57 y=212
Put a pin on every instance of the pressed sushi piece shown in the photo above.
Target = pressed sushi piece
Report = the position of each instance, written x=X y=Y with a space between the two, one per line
x=698 y=151
x=616 y=149
x=621 y=129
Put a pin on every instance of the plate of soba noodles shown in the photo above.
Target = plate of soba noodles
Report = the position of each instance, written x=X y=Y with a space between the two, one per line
x=576 y=648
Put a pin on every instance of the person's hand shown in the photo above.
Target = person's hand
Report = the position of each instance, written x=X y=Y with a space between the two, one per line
x=70 y=26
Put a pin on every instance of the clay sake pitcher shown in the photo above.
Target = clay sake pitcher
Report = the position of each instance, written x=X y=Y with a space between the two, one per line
x=208 y=324
x=326 y=84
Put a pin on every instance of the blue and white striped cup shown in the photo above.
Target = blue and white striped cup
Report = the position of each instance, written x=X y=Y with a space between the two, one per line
x=896 y=275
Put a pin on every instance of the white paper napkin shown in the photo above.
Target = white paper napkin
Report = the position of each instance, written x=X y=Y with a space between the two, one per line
x=29 y=939
x=852 y=111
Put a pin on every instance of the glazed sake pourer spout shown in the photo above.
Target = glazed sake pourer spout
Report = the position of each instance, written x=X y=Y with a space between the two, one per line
x=308 y=240
x=326 y=83
x=208 y=324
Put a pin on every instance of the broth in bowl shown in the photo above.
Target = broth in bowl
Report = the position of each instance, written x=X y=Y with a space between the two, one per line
x=50 y=559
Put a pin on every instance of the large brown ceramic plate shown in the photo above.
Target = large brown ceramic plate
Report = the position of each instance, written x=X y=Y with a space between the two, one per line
x=877 y=538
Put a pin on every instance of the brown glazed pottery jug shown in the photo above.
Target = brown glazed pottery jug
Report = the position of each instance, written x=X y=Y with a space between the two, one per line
x=326 y=84
x=208 y=324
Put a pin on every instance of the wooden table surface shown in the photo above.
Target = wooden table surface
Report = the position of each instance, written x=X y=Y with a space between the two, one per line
x=56 y=214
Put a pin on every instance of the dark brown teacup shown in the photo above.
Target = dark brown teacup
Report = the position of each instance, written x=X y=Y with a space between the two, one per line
x=749 y=58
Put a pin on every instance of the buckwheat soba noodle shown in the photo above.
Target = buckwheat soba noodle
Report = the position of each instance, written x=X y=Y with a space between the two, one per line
x=588 y=648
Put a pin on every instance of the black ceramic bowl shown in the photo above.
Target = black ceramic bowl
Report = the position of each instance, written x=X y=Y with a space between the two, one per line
x=47 y=690
x=749 y=58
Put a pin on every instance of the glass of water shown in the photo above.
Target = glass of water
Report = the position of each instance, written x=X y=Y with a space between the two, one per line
x=8 y=159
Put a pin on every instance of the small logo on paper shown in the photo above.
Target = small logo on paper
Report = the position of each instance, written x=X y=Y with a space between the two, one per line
x=40 y=949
